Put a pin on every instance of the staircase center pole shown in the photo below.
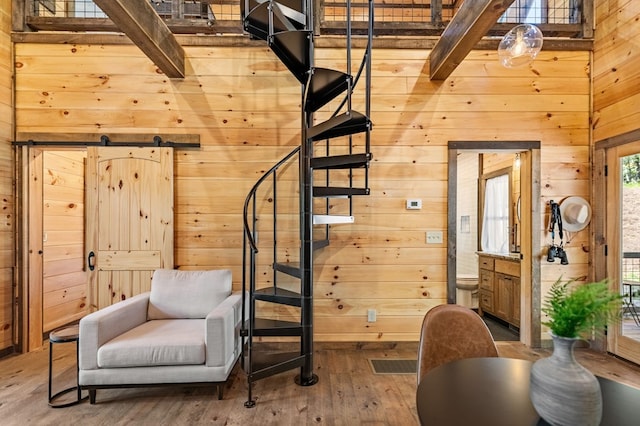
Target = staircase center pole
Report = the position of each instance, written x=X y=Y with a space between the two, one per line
x=306 y=377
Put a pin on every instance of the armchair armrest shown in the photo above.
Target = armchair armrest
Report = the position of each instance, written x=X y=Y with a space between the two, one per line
x=222 y=331
x=101 y=326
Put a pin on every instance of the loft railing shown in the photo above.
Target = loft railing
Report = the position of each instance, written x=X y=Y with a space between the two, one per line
x=631 y=268
x=630 y=288
x=556 y=18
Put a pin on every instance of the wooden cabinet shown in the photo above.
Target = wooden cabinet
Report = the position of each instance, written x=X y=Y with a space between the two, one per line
x=499 y=287
x=485 y=287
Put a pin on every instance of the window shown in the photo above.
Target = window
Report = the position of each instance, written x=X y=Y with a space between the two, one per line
x=495 y=215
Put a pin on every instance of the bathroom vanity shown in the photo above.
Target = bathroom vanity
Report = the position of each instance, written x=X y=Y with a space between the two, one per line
x=499 y=286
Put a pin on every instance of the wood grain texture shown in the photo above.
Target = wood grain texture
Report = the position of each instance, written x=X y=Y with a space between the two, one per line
x=616 y=72
x=243 y=104
x=347 y=392
x=64 y=281
x=149 y=32
x=130 y=227
x=462 y=33
x=7 y=203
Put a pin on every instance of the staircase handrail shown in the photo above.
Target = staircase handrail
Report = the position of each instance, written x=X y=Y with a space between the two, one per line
x=252 y=193
x=355 y=79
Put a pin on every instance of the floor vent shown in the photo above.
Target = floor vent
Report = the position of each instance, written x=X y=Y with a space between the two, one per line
x=394 y=366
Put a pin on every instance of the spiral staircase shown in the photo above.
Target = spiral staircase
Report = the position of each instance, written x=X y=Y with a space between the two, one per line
x=332 y=169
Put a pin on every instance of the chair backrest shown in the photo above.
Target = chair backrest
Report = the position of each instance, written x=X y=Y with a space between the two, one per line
x=452 y=332
x=187 y=294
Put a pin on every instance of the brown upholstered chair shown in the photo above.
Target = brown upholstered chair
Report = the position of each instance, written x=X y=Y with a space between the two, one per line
x=452 y=332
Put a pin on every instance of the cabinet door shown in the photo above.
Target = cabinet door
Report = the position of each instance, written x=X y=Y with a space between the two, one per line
x=486 y=301
x=515 y=311
x=485 y=262
x=486 y=280
x=504 y=296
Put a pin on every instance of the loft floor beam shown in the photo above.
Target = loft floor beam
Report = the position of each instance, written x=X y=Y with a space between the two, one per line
x=470 y=23
x=140 y=22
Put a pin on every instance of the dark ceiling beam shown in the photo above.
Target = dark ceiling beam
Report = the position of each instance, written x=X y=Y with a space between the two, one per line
x=140 y=22
x=470 y=23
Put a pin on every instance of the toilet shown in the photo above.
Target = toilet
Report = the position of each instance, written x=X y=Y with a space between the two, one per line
x=467 y=291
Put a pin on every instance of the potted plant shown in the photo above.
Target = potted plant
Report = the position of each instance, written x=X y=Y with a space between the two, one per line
x=562 y=391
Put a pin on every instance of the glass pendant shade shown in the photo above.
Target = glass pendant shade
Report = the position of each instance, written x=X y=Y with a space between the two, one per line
x=520 y=46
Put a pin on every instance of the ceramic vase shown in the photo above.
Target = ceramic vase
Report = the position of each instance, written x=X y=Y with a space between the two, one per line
x=562 y=391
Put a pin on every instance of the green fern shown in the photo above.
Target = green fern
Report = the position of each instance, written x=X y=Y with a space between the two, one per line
x=578 y=310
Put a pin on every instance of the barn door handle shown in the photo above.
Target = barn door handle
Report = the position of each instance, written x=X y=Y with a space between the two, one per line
x=91 y=261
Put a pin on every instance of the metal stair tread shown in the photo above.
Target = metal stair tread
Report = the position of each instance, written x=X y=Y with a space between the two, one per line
x=294 y=50
x=324 y=86
x=347 y=161
x=271 y=327
x=347 y=123
x=337 y=191
x=278 y=295
x=291 y=8
x=319 y=244
x=256 y=22
x=289 y=268
x=266 y=364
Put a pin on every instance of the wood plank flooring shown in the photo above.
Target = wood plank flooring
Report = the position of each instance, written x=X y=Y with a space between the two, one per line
x=347 y=393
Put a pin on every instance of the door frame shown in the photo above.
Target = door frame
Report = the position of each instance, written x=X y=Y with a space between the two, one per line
x=31 y=246
x=26 y=340
x=599 y=217
x=607 y=257
x=530 y=327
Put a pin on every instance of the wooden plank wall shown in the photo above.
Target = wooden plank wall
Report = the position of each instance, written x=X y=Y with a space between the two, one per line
x=64 y=283
x=7 y=218
x=616 y=71
x=245 y=106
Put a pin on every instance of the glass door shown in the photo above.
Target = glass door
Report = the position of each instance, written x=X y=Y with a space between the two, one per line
x=623 y=244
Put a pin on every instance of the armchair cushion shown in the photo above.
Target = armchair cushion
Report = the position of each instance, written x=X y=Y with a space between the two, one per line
x=158 y=342
x=187 y=294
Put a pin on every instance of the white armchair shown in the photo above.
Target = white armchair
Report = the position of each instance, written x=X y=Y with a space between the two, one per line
x=184 y=331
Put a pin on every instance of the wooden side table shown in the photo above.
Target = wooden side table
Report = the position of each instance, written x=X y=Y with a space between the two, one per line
x=64 y=335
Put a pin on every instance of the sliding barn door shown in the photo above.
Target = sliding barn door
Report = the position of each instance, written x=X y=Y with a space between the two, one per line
x=56 y=291
x=129 y=220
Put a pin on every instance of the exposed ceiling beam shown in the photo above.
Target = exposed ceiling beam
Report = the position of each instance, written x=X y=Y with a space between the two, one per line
x=470 y=23
x=140 y=22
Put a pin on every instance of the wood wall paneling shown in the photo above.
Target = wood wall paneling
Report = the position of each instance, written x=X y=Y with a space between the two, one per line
x=64 y=284
x=616 y=73
x=7 y=207
x=245 y=106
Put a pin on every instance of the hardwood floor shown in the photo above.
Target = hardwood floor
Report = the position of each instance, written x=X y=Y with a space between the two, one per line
x=348 y=393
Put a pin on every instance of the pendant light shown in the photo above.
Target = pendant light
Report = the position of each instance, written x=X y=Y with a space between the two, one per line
x=520 y=46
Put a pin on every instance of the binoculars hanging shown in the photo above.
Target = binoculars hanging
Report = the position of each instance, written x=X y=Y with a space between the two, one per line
x=556 y=250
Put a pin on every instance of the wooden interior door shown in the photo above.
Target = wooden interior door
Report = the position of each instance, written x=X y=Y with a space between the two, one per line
x=129 y=220
x=55 y=229
x=623 y=248
x=63 y=272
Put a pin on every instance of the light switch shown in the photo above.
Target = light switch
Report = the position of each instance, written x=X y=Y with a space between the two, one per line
x=434 y=237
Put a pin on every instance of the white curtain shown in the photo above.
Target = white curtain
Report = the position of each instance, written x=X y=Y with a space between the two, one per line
x=495 y=218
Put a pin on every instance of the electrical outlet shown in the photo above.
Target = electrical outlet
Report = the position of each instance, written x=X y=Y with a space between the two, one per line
x=371 y=315
x=434 y=237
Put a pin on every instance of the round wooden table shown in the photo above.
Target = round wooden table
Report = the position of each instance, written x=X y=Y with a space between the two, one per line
x=495 y=391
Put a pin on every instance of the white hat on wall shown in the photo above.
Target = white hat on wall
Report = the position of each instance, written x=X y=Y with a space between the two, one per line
x=575 y=213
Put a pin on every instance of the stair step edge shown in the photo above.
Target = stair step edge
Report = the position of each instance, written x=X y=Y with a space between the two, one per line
x=325 y=219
